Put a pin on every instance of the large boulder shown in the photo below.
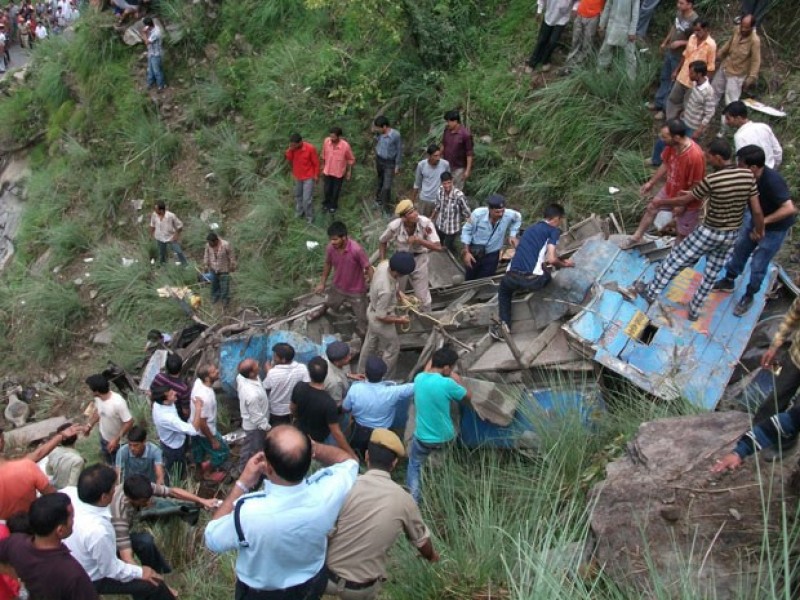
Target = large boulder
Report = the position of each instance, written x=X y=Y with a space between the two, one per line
x=662 y=516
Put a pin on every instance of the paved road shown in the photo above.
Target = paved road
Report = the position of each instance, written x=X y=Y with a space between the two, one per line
x=19 y=58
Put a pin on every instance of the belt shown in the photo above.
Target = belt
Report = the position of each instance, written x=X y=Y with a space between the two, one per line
x=525 y=275
x=379 y=157
x=350 y=585
x=418 y=253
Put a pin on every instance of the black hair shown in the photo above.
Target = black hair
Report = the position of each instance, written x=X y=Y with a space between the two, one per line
x=752 y=156
x=137 y=433
x=337 y=229
x=138 y=487
x=432 y=149
x=676 y=127
x=336 y=131
x=94 y=481
x=148 y=21
x=721 y=148
x=161 y=205
x=380 y=457
x=735 y=109
x=317 y=369
x=212 y=237
x=284 y=351
x=20 y=522
x=452 y=115
x=291 y=466
x=295 y=138
x=552 y=211
x=381 y=121
x=158 y=393
x=699 y=66
x=98 y=383
x=702 y=23
x=446 y=176
x=444 y=357
x=174 y=364
x=67 y=441
x=48 y=512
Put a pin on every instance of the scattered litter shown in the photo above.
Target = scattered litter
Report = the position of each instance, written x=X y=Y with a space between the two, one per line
x=152 y=261
x=310 y=244
x=88 y=260
x=643 y=50
x=78 y=281
x=214 y=226
x=613 y=190
x=87 y=274
x=127 y=262
x=764 y=108
x=138 y=203
x=140 y=218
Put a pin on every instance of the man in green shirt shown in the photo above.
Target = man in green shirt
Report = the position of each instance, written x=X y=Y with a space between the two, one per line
x=434 y=389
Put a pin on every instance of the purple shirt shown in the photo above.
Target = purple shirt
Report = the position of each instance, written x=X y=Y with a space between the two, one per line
x=348 y=267
x=457 y=147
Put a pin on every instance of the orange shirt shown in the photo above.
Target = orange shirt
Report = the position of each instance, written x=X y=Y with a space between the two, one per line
x=588 y=9
x=19 y=482
x=705 y=51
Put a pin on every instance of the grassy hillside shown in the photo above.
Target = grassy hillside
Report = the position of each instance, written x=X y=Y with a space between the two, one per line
x=242 y=77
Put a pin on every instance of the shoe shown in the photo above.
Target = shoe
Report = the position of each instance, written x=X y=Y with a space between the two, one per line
x=724 y=285
x=693 y=316
x=496 y=334
x=776 y=452
x=651 y=106
x=743 y=306
x=640 y=287
x=659 y=116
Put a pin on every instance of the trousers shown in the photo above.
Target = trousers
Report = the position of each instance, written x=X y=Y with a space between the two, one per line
x=510 y=283
x=546 y=43
x=760 y=253
x=304 y=199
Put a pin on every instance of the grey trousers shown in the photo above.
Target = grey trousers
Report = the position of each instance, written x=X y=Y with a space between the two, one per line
x=252 y=444
x=676 y=100
x=304 y=199
x=605 y=55
x=583 y=32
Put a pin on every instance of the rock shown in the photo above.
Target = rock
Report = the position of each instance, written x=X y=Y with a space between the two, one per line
x=17 y=412
x=21 y=75
x=485 y=139
x=791 y=96
x=661 y=513
x=78 y=281
x=206 y=214
x=513 y=130
x=104 y=337
x=210 y=177
x=62 y=375
x=93 y=294
x=211 y=52
x=84 y=356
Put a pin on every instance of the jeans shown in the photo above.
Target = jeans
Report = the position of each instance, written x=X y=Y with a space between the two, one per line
x=332 y=188
x=308 y=590
x=176 y=248
x=760 y=252
x=174 y=462
x=485 y=267
x=417 y=457
x=109 y=457
x=304 y=199
x=385 y=171
x=510 y=283
x=545 y=44
x=155 y=74
x=137 y=589
x=784 y=389
x=659 y=146
x=646 y=10
x=220 y=288
x=671 y=62
x=145 y=549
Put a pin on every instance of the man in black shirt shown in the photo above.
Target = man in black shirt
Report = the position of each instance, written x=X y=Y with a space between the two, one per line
x=315 y=412
x=44 y=564
x=779 y=216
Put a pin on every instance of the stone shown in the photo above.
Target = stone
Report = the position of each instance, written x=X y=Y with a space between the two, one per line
x=93 y=294
x=104 y=337
x=206 y=214
x=485 y=139
x=17 y=411
x=661 y=513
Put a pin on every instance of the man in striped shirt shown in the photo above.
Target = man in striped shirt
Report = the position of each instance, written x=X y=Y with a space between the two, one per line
x=450 y=211
x=282 y=374
x=725 y=194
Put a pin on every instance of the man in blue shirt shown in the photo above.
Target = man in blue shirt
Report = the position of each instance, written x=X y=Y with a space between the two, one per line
x=388 y=157
x=434 y=389
x=483 y=235
x=528 y=269
x=140 y=457
x=779 y=216
x=373 y=403
x=281 y=533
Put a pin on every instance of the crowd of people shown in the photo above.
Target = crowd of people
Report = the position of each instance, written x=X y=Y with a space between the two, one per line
x=24 y=23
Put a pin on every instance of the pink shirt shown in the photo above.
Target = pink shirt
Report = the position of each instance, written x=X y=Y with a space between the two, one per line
x=336 y=157
x=348 y=267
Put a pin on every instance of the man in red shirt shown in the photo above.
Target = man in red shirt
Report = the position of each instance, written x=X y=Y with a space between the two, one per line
x=683 y=165
x=305 y=168
x=337 y=165
x=352 y=271
x=457 y=148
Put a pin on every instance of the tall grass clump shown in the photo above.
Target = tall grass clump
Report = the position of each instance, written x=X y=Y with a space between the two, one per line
x=42 y=317
x=235 y=170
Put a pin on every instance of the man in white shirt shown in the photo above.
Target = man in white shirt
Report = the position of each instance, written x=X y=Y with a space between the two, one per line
x=111 y=411
x=64 y=464
x=172 y=431
x=254 y=408
x=93 y=541
x=279 y=381
x=166 y=229
x=41 y=31
x=281 y=534
x=750 y=133
x=210 y=443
